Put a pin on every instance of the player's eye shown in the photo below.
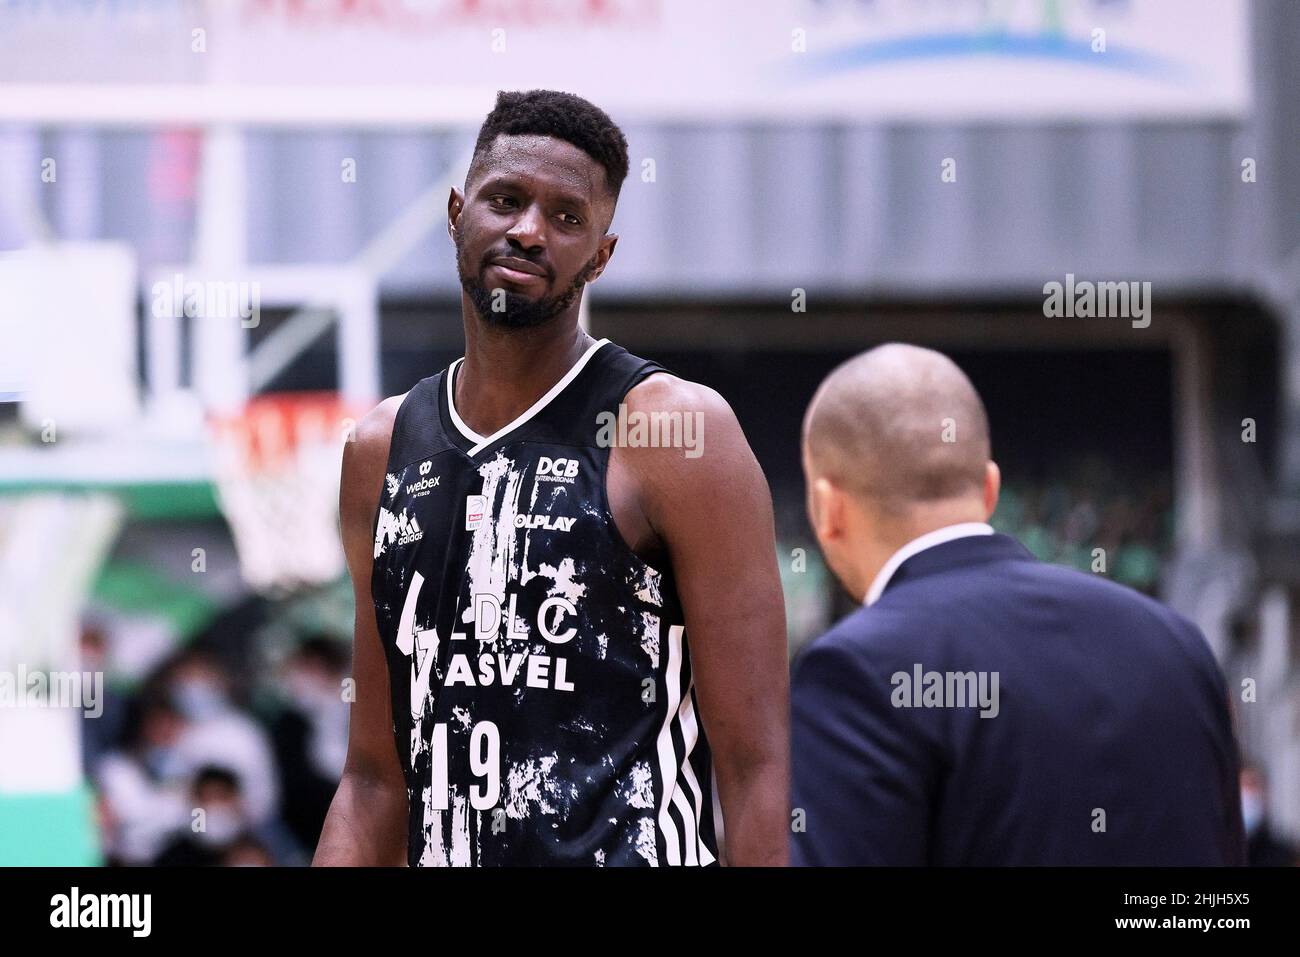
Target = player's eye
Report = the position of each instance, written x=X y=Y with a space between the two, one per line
x=570 y=219
x=501 y=201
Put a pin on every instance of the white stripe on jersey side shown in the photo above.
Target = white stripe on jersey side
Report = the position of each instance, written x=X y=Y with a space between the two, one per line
x=691 y=735
x=666 y=749
x=680 y=712
x=480 y=443
x=689 y=824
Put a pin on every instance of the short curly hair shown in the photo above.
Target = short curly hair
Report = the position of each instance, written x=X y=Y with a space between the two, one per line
x=561 y=115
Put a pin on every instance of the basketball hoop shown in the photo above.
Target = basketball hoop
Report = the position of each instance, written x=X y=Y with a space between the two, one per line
x=277 y=476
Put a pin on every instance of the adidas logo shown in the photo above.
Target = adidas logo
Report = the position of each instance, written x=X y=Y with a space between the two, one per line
x=400 y=529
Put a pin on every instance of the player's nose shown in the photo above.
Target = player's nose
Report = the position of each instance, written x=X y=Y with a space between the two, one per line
x=528 y=230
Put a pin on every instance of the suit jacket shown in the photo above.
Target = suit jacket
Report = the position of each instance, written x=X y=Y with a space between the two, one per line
x=991 y=709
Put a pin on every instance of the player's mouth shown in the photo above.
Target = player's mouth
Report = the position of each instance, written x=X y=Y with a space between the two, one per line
x=518 y=272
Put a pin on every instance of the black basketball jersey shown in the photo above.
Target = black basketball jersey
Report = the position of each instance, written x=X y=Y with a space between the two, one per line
x=543 y=704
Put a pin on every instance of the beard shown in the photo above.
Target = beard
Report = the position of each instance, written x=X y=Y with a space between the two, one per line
x=512 y=310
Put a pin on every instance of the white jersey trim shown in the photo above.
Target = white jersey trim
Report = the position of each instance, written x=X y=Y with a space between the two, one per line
x=480 y=443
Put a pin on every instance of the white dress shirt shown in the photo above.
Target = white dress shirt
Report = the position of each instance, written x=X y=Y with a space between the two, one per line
x=940 y=535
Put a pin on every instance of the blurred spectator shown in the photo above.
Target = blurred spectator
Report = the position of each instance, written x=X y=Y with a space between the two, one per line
x=202 y=844
x=247 y=852
x=101 y=734
x=311 y=734
x=223 y=824
x=1264 y=848
x=142 y=787
x=218 y=733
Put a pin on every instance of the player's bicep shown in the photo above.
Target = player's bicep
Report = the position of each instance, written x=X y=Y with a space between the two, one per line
x=371 y=752
x=714 y=514
x=720 y=536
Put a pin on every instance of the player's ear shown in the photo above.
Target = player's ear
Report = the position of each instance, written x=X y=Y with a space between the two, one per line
x=992 y=487
x=604 y=252
x=826 y=510
x=455 y=203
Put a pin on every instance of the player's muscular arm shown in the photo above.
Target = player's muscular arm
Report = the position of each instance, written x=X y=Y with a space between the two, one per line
x=366 y=824
x=712 y=514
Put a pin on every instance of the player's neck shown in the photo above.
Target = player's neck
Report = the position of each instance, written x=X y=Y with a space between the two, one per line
x=506 y=370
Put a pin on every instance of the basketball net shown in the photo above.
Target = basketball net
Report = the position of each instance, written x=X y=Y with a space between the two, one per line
x=277 y=476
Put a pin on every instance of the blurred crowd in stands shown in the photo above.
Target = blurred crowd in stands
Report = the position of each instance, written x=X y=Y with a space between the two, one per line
x=190 y=771
x=1066 y=520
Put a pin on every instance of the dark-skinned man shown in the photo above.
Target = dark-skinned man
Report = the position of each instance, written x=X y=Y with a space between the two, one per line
x=564 y=630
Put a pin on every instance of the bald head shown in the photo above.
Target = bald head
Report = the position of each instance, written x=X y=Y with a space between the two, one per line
x=901 y=426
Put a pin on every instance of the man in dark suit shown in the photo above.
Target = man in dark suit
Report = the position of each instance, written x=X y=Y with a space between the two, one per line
x=985 y=708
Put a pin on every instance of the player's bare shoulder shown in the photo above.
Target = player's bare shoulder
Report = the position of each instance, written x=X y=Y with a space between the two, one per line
x=677 y=439
x=663 y=391
x=365 y=458
x=667 y=419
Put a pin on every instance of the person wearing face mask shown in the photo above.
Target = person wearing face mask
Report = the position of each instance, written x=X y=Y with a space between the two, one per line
x=142 y=786
x=1264 y=846
x=220 y=733
x=218 y=822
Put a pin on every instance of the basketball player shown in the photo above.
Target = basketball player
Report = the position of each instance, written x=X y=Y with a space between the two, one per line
x=564 y=631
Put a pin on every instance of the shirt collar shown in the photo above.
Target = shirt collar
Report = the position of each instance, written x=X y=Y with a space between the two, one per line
x=919 y=544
